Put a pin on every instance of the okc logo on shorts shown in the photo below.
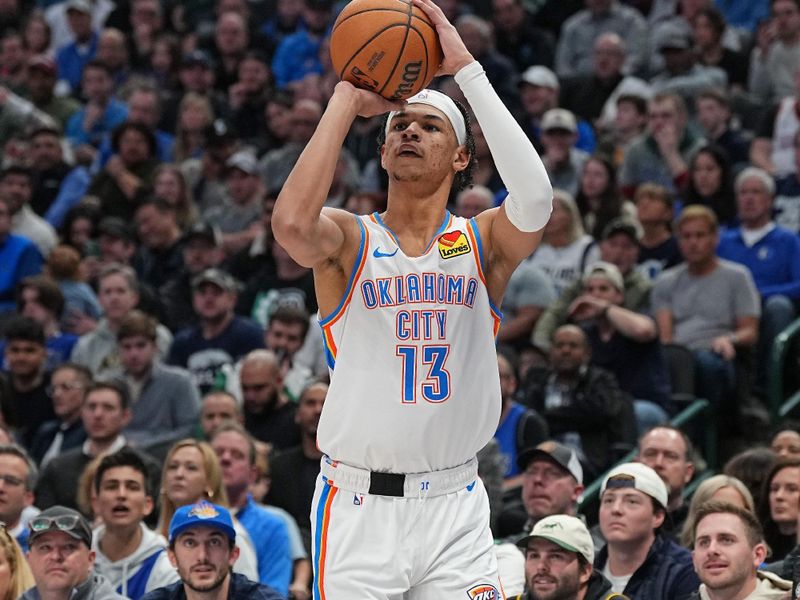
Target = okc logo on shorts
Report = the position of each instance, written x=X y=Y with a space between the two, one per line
x=483 y=591
x=453 y=244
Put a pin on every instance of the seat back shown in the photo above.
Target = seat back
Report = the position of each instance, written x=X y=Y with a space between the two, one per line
x=680 y=363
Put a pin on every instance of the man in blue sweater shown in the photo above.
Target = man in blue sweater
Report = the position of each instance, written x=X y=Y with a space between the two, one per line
x=236 y=451
x=769 y=251
x=18 y=255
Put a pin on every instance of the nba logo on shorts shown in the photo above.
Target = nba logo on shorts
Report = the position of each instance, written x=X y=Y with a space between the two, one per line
x=483 y=591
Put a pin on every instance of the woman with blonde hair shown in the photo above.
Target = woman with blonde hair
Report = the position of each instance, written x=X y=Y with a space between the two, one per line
x=195 y=113
x=566 y=249
x=170 y=185
x=192 y=473
x=719 y=487
x=15 y=574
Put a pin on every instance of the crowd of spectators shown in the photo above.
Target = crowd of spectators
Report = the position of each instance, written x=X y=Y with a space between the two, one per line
x=159 y=348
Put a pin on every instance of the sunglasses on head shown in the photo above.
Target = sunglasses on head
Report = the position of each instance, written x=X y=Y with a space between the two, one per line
x=63 y=523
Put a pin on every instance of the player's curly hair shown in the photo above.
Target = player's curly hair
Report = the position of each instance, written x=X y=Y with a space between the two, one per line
x=462 y=179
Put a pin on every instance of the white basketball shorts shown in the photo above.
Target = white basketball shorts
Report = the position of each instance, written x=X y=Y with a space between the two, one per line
x=428 y=539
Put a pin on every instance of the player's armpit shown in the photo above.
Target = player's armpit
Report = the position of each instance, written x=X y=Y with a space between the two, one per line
x=505 y=247
x=515 y=245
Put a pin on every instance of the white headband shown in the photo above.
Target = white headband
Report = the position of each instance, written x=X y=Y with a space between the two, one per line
x=445 y=104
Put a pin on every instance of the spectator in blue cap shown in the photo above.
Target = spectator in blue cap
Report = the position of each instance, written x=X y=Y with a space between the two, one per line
x=202 y=548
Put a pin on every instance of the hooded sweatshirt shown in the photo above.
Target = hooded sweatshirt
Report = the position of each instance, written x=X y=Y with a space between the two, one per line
x=146 y=569
x=94 y=588
x=769 y=587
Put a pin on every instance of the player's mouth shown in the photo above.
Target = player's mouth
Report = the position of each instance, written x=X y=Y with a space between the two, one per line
x=408 y=150
x=120 y=510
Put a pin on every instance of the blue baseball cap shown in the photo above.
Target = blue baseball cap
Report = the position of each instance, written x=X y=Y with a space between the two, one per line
x=202 y=514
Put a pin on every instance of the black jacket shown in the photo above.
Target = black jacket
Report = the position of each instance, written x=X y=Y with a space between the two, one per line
x=599 y=410
x=667 y=572
x=241 y=588
x=95 y=587
x=74 y=436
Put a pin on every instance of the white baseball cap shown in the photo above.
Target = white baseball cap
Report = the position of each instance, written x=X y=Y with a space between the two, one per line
x=607 y=271
x=559 y=118
x=540 y=76
x=569 y=533
x=636 y=476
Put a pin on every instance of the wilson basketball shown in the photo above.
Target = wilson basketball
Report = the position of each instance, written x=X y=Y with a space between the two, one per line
x=386 y=46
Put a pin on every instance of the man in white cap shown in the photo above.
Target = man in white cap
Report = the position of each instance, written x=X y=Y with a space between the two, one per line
x=637 y=560
x=558 y=562
x=539 y=92
x=563 y=160
x=624 y=342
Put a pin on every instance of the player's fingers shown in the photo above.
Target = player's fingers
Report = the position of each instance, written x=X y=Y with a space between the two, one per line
x=432 y=10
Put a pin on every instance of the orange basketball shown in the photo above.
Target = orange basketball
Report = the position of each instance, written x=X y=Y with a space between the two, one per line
x=385 y=46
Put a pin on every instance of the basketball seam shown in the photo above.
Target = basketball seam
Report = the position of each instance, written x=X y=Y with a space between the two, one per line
x=402 y=47
x=368 y=10
x=368 y=42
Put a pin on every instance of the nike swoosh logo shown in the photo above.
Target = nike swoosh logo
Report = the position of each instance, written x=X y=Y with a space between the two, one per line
x=471 y=486
x=378 y=254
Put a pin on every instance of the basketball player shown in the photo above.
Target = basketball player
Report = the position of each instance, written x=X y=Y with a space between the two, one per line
x=408 y=308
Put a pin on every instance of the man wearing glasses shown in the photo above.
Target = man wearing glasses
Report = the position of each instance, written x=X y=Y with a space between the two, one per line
x=61 y=558
x=558 y=562
x=552 y=482
x=67 y=389
x=17 y=480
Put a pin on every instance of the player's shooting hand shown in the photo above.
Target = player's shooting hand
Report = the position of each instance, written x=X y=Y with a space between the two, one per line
x=368 y=104
x=456 y=55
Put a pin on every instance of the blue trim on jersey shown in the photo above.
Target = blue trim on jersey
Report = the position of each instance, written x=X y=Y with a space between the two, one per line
x=442 y=227
x=477 y=233
x=323 y=499
x=329 y=360
x=351 y=280
x=380 y=222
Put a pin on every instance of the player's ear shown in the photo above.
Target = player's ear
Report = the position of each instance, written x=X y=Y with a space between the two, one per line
x=461 y=158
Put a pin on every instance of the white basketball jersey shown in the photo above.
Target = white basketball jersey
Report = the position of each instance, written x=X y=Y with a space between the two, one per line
x=411 y=348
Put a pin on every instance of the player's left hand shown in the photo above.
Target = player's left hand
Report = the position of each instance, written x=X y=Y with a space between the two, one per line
x=368 y=104
x=456 y=55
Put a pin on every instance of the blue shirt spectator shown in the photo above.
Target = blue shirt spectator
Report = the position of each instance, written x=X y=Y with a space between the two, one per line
x=271 y=541
x=114 y=114
x=19 y=258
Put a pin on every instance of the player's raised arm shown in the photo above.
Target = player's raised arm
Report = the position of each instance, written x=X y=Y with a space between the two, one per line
x=307 y=233
x=515 y=229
